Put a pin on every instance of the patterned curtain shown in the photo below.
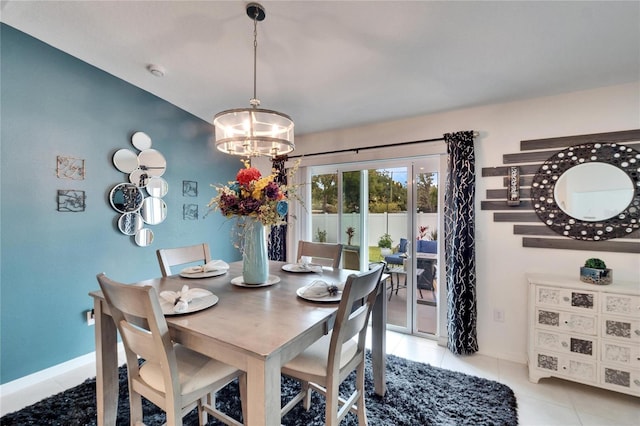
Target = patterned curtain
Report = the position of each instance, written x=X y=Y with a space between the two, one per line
x=459 y=243
x=277 y=244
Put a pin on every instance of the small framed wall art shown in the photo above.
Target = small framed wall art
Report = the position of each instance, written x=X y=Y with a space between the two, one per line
x=70 y=168
x=189 y=188
x=71 y=200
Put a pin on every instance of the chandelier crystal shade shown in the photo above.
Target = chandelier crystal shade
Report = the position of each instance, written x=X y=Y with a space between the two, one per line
x=252 y=132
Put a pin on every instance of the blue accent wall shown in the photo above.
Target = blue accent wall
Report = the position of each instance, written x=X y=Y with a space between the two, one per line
x=54 y=104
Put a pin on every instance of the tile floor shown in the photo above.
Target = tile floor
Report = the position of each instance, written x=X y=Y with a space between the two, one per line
x=552 y=402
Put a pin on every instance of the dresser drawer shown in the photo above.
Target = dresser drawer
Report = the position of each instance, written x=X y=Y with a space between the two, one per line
x=580 y=369
x=621 y=328
x=627 y=354
x=566 y=321
x=567 y=298
x=620 y=378
x=621 y=304
x=566 y=344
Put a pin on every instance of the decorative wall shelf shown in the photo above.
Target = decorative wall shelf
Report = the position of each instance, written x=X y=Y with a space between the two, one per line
x=526 y=222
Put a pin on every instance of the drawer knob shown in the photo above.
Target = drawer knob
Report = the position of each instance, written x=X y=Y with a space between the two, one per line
x=637 y=332
x=566 y=299
x=565 y=344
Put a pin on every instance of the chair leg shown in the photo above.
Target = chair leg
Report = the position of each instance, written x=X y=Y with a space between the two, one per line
x=362 y=411
x=135 y=407
x=331 y=409
x=174 y=416
x=202 y=414
x=307 y=395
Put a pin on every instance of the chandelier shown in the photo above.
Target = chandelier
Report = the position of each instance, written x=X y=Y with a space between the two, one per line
x=252 y=132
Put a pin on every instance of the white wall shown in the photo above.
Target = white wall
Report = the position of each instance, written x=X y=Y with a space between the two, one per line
x=501 y=260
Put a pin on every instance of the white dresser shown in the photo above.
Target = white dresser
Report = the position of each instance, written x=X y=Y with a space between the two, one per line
x=584 y=332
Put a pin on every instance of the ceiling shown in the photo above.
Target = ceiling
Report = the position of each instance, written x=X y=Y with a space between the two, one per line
x=337 y=64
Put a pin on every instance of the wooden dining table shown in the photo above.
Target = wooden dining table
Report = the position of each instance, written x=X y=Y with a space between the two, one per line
x=256 y=329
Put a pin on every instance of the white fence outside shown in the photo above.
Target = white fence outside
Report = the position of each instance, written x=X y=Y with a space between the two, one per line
x=379 y=223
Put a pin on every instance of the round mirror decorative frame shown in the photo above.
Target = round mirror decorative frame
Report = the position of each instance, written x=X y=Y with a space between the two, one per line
x=546 y=207
x=144 y=169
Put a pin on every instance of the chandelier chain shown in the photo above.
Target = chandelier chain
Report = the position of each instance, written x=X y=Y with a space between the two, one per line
x=255 y=102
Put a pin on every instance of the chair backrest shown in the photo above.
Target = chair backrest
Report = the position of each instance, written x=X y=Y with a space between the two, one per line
x=403 y=246
x=181 y=256
x=138 y=316
x=425 y=280
x=325 y=254
x=427 y=246
x=358 y=298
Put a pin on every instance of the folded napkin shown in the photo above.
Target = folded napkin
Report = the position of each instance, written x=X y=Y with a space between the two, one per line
x=180 y=299
x=320 y=288
x=309 y=267
x=210 y=266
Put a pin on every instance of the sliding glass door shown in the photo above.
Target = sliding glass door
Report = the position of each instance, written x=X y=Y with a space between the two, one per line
x=377 y=210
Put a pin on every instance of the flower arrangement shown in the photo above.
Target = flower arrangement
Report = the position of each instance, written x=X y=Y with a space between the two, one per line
x=253 y=195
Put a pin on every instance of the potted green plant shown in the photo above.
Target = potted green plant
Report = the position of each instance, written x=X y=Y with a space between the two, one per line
x=321 y=236
x=595 y=271
x=385 y=243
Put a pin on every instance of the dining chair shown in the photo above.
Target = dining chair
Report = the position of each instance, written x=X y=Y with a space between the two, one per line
x=327 y=362
x=171 y=376
x=182 y=255
x=426 y=279
x=325 y=254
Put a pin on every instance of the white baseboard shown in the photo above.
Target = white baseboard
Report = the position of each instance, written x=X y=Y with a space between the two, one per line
x=52 y=372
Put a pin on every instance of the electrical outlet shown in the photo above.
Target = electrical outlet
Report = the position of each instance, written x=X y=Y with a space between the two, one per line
x=498 y=315
x=91 y=317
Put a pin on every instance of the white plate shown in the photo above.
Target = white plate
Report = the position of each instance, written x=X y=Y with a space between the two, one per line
x=195 y=305
x=294 y=267
x=209 y=274
x=240 y=283
x=328 y=299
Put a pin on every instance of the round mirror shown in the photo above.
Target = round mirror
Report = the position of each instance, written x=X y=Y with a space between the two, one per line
x=152 y=162
x=144 y=237
x=593 y=191
x=125 y=160
x=126 y=198
x=589 y=191
x=157 y=187
x=154 y=210
x=141 y=140
x=139 y=178
x=130 y=223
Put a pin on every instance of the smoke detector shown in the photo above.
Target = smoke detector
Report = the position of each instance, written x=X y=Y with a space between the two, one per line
x=156 y=70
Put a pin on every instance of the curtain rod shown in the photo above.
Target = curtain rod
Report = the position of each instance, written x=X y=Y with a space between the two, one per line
x=356 y=150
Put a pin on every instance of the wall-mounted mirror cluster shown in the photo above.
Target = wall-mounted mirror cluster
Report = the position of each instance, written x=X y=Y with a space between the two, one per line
x=589 y=191
x=145 y=169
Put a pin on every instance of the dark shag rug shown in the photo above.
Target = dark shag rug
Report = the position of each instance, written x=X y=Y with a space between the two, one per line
x=417 y=394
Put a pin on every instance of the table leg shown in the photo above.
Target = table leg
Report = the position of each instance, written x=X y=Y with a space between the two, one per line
x=263 y=391
x=378 y=340
x=106 y=367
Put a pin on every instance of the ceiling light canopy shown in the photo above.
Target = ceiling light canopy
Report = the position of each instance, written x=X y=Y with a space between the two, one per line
x=252 y=132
